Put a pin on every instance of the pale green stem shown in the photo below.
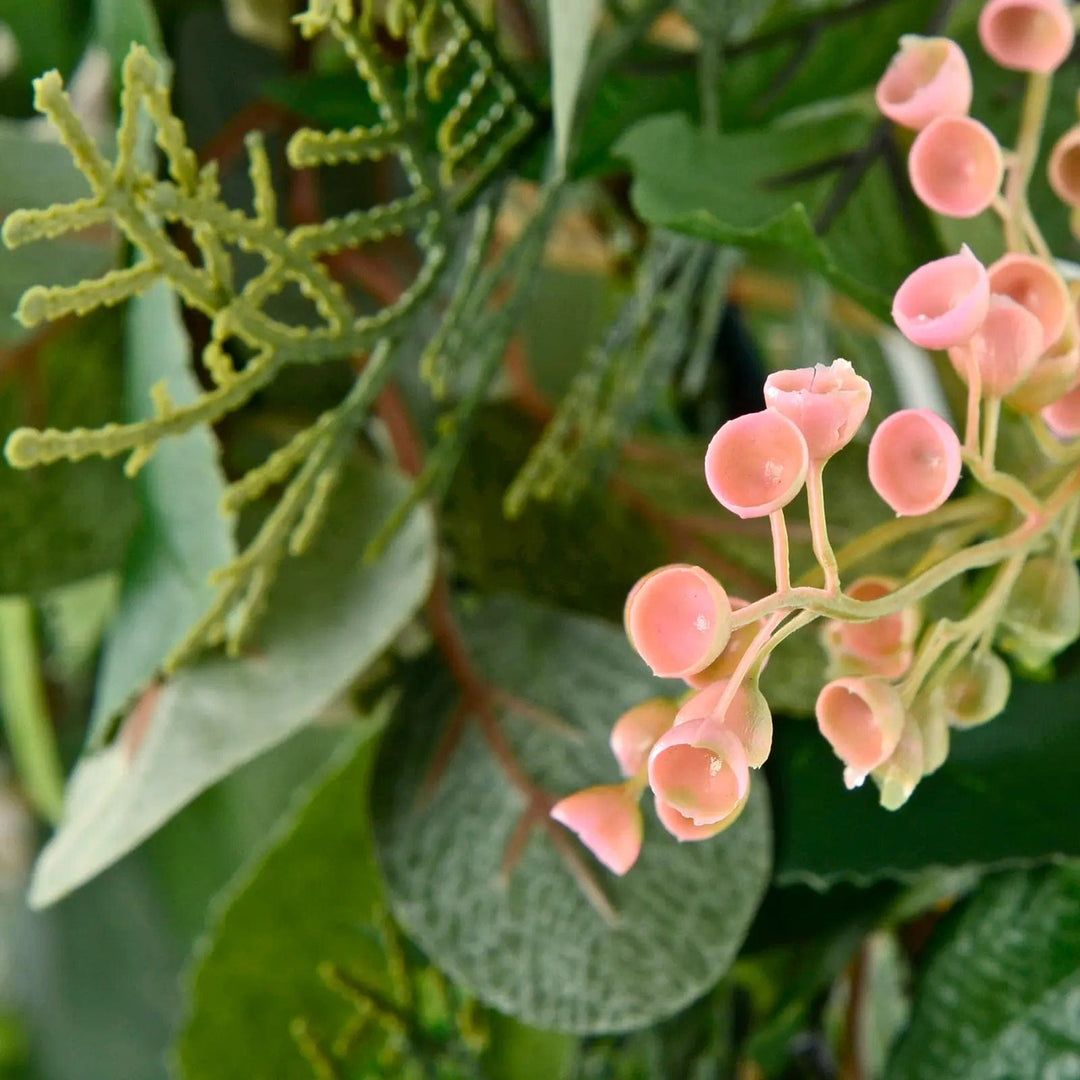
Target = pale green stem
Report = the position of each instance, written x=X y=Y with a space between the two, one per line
x=1032 y=119
x=991 y=423
x=781 y=550
x=1008 y=487
x=971 y=421
x=25 y=708
x=819 y=529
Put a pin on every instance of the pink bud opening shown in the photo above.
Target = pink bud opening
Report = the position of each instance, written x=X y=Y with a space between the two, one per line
x=725 y=664
x=1003 y=351
x=607 y=820
x=683 y=828
x=1062 y=417
x=1027 y=35
x=955 y=165
x=636 y=731
x=943 y=302
x=1064 y=167
x=756 y=463
x=678 y=619
x=884 y=644
x=927 y=78
x=748 y=717
x=704 y=783
x=862 y=719
x=914 y=461
x=827 y=403
x=1036 y=285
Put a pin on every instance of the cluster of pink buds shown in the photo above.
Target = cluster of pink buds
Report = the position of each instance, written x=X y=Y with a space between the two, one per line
x=898 y=681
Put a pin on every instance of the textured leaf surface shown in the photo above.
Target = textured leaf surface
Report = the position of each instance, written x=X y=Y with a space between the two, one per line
x=182 y=537
x=530 y=943
x=1001 y=999
x=330 y=615
x=1007 y=794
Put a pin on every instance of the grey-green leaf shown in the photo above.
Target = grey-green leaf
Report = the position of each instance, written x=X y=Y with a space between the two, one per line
x=999 y=1000
x=527 y=941
x=330 y=615
x=571 y=24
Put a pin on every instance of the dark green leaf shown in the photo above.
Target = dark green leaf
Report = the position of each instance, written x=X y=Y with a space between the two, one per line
x=998 y=1000
x=525 y=938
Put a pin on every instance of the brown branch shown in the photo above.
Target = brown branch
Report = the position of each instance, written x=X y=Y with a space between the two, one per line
x=851 y=1046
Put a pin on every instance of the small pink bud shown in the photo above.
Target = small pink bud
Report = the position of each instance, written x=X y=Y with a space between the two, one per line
x=827 y=403
x=914 y=461
x=1027 y=35
x=897 y=778
x=1062 y=417
x=683 y=828
x=725 y=664
x=1003 y=351
x=607 y=820
x=1053 y=375
x=862 y=719
x=756 y=463
x=955 y=165
x=883 y=645
x=927 y=78
x=747 y=717
x=678 y=619
x=704 y=783
x=1036 y=285
x=636 y=731
x=943 y=302
x=1064 y=168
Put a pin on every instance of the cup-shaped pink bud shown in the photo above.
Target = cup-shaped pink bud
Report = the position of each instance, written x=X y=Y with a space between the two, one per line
x=827 y=403
x=684 y=828
x=955 y=165
x=756 y=463
x=705 y=783
x=927 y=78
x=943 y=302
x=678 y=619
x=897 y=778
x=748 y=717
x=1027 y=35
x=725 y=664
x=607 y=820
x=914 y=461
x=636 y=731
x=1003 y=351
x=1035 y=284
x=1063 y=171
x=1062 y=417
x=883 y=645
x=862 y=719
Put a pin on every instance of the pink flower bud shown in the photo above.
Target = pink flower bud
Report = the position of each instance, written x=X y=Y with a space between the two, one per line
x=827 y=403
x=927 y=78
x=914 y=461
x=897 y=778
x=883 y=645
x=1027 y=35
x=1064 y=168
x=607 y=820
x=678 y=619
x=955 y=165
x=725 y=664
x=636 y=731
x=1036 y=285
x=862 y=719
x=747 y=717
x=704 y=783
x=1062 y=417
x=1003 y=351
x=756 y=463
x=943 y=302
x=1053 y=375
x=683 y=828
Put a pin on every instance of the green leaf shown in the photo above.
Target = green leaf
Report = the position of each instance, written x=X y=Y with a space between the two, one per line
x=50 y=34
x=54 y=521
x=998 y=998
x=330 y=615
x=183 y=537
x=119 y=24
x=762 y=190
x=496 y=907
x=1006 y=795
x=570 y=25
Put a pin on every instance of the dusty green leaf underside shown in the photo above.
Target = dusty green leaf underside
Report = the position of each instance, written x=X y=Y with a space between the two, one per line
x=532 y=945
x=331 y=616
x=1001 y=999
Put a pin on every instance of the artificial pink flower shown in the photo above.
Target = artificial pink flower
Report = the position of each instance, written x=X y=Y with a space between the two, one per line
x=607 y=820
x=1027 y=35
x=955 y=165
x=914 y=461
x=943 y=302
x=747 y=717
x=927 y=78
x=636 y=731
x=862 y=719
x=1003 y=351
